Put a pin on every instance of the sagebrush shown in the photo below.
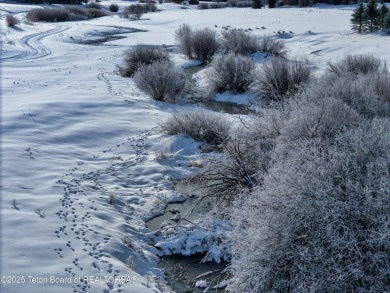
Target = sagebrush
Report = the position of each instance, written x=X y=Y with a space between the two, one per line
x=70 y=13
x=201 y=125
x=11 y=20
x=199 y=44
x=239 y=41
x=229 y=72
x=141 y=55
x=160 y=80
x=280 y=78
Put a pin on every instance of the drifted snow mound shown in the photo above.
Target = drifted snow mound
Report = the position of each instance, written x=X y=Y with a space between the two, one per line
x=201 y=284
x=208 y=236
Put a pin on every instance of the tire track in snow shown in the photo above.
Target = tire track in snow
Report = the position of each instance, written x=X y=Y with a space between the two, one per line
x=34 y=48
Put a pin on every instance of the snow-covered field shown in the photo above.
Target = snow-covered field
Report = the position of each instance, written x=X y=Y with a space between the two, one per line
x=73 y=132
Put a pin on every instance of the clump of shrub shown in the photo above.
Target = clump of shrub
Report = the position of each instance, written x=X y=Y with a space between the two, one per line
x=113 y=7
x=50 y=15
x=201 y=125
x=160 y=80
x=280 y=78
x=230 y=72
x=306 y=184
x=356 y=64
x=94 y=5
x=368 y=94
x=203 y=5
x=360 y=81
x=151 y=7
x=70 y=13
x=199 y=44
x=136 y=11
x=239 y=41
x=183 y=40
x=175 y=1
x=204 y=44
x=319 y=221
x=217 y=5
x=11 y=20
x=273 y=46
x=141 y=55
x=312 y=117
x=95 y=13
x=240 y=3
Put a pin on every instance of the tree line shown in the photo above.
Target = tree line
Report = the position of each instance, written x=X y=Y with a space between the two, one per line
x=370 y=17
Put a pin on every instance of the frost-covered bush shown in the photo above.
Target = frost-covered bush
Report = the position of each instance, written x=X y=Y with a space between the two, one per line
x=229 y=72
x=311 y=118
x=246 y=158
x=95 y=13
x=199 y=44
x=141 y=55
x=151 y=7
x=240 y=3
x=76 y=10
x=204 y=44
x=113 y=7
x=134 y=11
x=239 y=41
x=368 y=94
x=217 y=5
x=160 y=80
x=11 y=20
x=273 y=46
x=49 y=15
x=183 y=40
x=356 y=64
x=94 y=5
x=201 y=125
x=280 y=77
x=319 y=222
x=203 y=6
x=70 y=13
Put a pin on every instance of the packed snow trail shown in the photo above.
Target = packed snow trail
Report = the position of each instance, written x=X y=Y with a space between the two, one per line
x=34 y=49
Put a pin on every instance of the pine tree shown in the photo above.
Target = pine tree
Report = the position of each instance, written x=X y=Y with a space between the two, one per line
x=271 y=3
x=383 y=13
x=357 y=19
x=257 y=4
x=371 y=13
x=387 y=22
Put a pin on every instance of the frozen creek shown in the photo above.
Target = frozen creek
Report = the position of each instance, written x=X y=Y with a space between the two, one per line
x=183 y=271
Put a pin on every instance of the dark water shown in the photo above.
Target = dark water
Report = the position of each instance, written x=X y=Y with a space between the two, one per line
x=181 y=271
x=196 y=98
x=101 y=41
x=190 y=209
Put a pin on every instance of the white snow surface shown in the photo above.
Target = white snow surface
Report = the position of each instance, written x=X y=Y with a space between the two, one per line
x=201 y=284
x=207 y=236
x=73 y=132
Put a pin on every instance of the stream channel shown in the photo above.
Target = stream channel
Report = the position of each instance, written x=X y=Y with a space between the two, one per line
x=196 y=97
x=181 y=271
